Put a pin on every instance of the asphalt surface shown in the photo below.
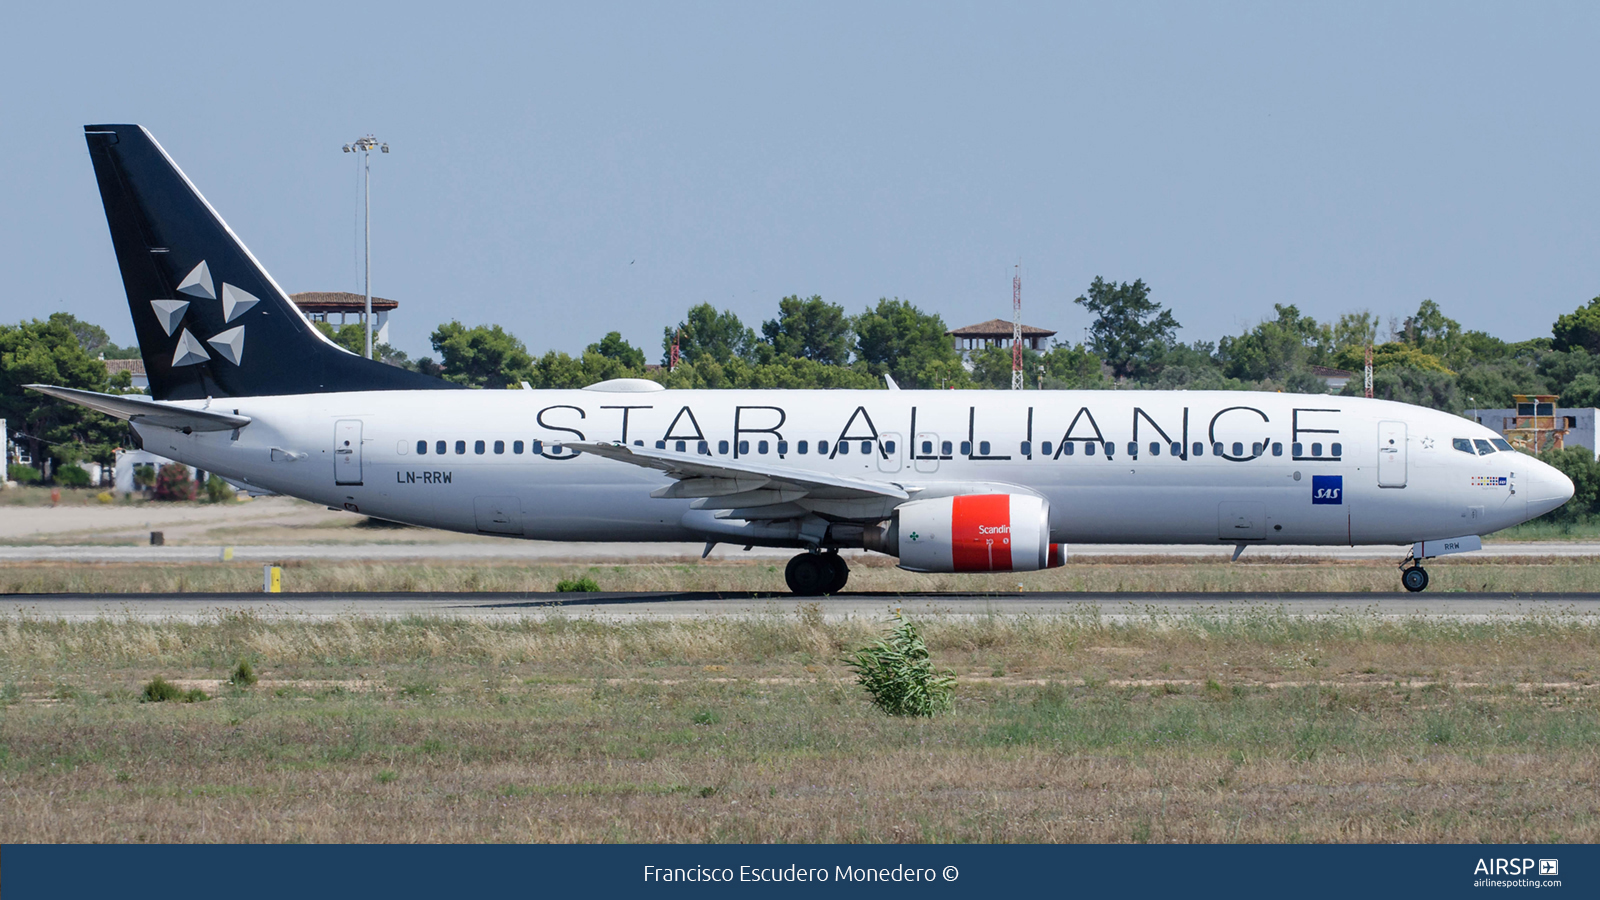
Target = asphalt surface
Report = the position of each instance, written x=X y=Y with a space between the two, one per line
x=643 y=606
x=546 y=551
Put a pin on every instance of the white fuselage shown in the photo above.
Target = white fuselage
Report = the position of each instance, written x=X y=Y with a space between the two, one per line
x=1292 y=469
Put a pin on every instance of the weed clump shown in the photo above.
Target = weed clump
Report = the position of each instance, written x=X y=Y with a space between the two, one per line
x=584 y=585
x=243 y=674
x=898 y=675
x=160 y=690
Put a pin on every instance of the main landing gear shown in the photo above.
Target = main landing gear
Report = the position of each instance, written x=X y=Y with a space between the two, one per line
x=817 y=572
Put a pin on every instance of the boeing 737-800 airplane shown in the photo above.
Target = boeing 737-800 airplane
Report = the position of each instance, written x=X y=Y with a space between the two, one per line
x=947 y=481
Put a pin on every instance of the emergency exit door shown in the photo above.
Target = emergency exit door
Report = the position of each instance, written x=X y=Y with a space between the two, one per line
x=347 y=451
x=1391 y=454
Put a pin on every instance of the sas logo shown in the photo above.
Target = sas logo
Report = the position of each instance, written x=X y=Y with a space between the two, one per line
x=1327 y=489
x=1488 y=480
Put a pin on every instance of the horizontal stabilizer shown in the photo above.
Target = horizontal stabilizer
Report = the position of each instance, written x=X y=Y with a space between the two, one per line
x=144 y=411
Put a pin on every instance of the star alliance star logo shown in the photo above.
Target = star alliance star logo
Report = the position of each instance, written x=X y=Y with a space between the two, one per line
x=228 y=344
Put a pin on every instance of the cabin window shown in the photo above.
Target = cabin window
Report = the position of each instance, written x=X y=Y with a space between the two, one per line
x=1338 y=449
x=722 y=447
x=461 y=447
x=1463 y=444
x=1297 y=449
x=1068 y=448
x=1133 y=450
x=1088 y=448
x=1177 y=449
x=1111 y=449
x=888 y=447
x=761 y=446
x=842 y=448
x=1238 y=448
x=438 y=447
x=661 y=445
x=944 y=449
x=1198 y=449
x=1027 y=448
x=516 y=447
x=422 y=448
x=682 y=446
x=703 y=448
x=1216 y=449
x=1484 y=447
x=866 y=448
x=477 y=447
x=822 y=447
x=1044 y=448
x=536 y=447
x=635 y=443
x=983 y=448
x=783 y=447
x=744 y=448
x=1155 y=449
x=927 y=448
x=802 y=448
x=966 y=448
x=1256 y=448
x=1316 y=449
x=1277 y=448
x=499 y=446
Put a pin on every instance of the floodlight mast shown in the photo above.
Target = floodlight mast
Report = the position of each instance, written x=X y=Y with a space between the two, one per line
x=365 y=146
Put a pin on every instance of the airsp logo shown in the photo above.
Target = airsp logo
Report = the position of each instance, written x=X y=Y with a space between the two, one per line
x=1327 y=489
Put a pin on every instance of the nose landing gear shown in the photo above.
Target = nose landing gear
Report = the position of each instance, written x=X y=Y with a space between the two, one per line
x=811 y=574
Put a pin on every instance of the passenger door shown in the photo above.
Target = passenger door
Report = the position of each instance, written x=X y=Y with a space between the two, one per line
x=1391 y=454
x=347 y=451
x=889 y=450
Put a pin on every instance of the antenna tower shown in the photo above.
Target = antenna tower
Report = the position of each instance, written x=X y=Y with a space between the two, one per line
x=1016 y=330
x=672 y=361
x=1367 y=374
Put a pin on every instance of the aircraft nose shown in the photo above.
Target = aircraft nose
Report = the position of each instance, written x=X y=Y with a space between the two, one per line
x=1547 y=488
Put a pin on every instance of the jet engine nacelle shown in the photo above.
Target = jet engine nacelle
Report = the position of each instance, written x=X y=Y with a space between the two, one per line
x=971 y=533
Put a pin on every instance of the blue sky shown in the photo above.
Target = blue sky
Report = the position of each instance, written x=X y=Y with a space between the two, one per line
x=569 y=170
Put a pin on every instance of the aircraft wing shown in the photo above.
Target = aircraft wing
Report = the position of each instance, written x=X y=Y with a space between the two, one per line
x=143 y=410
x=736 y=483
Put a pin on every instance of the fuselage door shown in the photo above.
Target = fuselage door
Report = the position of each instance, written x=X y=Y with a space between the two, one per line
x=1391 y=454
x=889 y=450
x=926 y=452
x=347 y=451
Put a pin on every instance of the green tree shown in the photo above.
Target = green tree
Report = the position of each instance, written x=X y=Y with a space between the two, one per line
x=612 y=346
x=481 y=356
x=352 y=336
x=809 y=329
x=1420 y=387
x=708 y=334
x=1354 y=329
x=1578 y=464
x=1276 y=349
x=1579 y=328
x=898 y=339
x=49 y=352
x=1068 y=367
x=1431 y=331
x=1129 y=328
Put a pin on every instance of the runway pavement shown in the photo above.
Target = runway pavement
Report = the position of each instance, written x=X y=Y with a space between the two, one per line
x=645 y=606
x=547 y=551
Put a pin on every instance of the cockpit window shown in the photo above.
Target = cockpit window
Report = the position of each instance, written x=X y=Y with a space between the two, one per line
x=1462 y=444
x=1484 y=447
x=1502 y=444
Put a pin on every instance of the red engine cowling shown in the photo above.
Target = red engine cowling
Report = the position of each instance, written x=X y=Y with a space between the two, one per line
x=971 y=533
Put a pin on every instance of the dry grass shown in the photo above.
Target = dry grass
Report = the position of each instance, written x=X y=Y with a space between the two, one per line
x=872 y=573
x=1242 y=726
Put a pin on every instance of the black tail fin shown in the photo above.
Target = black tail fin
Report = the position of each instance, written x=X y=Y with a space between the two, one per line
x=210 y=321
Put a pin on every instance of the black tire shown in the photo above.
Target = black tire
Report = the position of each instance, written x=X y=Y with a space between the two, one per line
x=1415 y=579
x=809 y=574
x=840 y=570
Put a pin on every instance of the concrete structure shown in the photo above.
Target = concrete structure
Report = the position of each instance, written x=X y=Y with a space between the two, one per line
x=996 y=333
x=324 y=306
x=1335 y=379
x=135 y=369
x=1553 y=425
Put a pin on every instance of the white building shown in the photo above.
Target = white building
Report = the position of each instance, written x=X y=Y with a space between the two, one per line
x=342 y=307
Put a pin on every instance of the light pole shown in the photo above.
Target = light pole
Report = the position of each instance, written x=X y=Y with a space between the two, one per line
x=365 y=146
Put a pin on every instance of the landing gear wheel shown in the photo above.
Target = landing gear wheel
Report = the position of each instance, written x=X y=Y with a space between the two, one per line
x=809 y=574
x=841 y=572
x=1415 y=579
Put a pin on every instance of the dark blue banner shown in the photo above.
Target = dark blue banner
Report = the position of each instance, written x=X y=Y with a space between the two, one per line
x=248 y=872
